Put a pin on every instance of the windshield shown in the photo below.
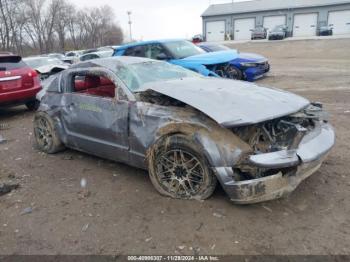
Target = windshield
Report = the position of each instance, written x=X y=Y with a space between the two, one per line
x=278 y=28
x=135 y=75
x=38 y=62
x=259 y=29
x=183 y=49
x=10 y=63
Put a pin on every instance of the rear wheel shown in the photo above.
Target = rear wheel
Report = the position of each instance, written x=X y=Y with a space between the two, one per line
x=33 y=105
x=178 y=169
x=46 y=137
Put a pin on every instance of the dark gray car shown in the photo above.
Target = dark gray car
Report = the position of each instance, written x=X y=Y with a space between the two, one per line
x=259 y=33
x=187 y=130
x=278 y=33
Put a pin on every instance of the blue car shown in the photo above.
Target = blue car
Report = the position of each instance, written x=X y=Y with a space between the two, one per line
x=185 y=54
x=247 y=66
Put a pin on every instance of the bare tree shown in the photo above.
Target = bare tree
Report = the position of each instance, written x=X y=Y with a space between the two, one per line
x=43 y=26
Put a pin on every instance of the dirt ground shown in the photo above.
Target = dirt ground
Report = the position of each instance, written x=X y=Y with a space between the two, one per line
x=123 y=214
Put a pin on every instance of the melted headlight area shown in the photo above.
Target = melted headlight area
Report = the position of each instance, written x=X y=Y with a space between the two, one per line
x=275 y=135
x=284 y=133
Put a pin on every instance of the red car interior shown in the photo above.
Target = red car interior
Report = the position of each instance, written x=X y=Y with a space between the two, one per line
x=96 y=86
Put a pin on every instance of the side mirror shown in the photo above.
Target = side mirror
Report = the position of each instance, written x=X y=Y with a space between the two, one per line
x=162 y=56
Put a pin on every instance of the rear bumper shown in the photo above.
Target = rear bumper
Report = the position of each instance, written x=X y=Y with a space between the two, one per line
x=307 y=159
x=19 y=96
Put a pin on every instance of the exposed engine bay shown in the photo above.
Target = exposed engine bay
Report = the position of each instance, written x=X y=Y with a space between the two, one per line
x=223 y=70
x=284 y=133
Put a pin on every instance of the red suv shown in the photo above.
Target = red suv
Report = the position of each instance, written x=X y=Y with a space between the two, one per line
x=19 y=84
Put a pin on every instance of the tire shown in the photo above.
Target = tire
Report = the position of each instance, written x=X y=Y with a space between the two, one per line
x=178 y=169
x=234 y=73
x=46 y=137
x=33 y=105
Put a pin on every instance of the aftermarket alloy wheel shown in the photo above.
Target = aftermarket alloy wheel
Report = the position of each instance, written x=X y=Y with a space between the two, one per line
x=45 y=134
x=178 y=169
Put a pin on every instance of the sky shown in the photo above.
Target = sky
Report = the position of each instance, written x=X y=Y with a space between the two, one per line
x=157 y=19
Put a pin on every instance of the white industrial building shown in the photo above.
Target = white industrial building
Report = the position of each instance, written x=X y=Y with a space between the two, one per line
x=235 y=20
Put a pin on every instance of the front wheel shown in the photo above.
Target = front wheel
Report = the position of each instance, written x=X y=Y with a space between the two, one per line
x=234 y=73
x=178 y=169
x=46 y=137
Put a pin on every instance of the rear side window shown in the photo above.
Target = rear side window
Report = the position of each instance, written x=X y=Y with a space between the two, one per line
x=11 y=62
x=138 y=51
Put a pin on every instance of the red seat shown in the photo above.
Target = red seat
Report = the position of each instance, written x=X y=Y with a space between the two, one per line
x=96 y=86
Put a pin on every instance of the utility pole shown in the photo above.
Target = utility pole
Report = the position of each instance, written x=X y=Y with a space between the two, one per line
x=129 y=15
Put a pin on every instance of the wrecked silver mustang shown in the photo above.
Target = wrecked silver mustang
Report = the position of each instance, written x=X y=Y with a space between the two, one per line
x=187 y=130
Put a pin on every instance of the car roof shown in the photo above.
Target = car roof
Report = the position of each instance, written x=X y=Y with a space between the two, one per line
x=149 y=42
x=9 y=54
x=105 y=62
x=39 y=57
x=208 y=44
x=3 y=53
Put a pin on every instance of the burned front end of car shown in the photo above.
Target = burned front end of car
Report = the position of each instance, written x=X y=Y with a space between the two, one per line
x=224 y=70
x=285 y=151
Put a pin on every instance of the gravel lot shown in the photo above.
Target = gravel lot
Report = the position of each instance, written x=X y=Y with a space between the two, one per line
x=123 y=214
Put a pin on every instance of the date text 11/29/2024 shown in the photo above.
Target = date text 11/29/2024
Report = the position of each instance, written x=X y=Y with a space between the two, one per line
x=173 y=258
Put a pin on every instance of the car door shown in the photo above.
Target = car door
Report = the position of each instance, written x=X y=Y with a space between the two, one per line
x=95 y=121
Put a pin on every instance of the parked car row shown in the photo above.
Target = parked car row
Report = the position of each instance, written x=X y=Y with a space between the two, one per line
x=280 y=32
x=205 y=58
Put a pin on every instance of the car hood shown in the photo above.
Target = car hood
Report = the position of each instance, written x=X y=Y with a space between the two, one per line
x=251 y=57
x=276 y=33
x=228 y=102
x=209 y=58
x=47 y=68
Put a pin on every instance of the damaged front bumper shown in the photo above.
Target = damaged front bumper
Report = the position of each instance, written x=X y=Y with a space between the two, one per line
x=307 y=159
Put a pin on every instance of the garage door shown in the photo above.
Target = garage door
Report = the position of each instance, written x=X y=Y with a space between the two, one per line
x=243 y=27
x=215 y=31
x=270 y=22
x=305 y=25
x=340 y=21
